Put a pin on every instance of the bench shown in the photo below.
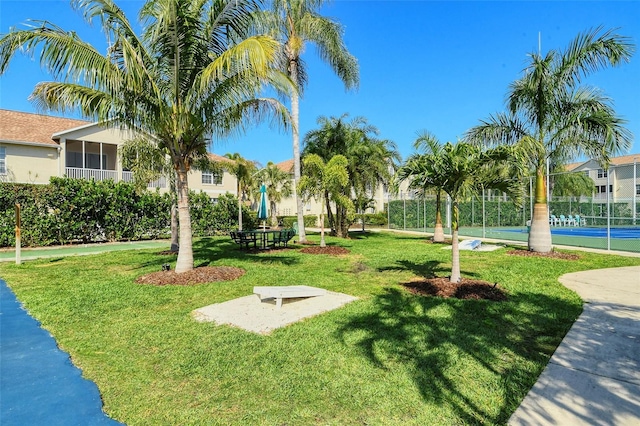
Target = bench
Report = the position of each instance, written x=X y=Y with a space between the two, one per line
x=245 y=238
x=284 y=236
x=287 y=292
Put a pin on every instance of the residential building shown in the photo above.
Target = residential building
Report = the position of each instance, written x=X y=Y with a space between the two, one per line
x=620 y=182
x=35 y=147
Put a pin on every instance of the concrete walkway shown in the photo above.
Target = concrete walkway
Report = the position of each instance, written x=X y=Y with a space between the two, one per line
x=593 y=378
x=9 y=255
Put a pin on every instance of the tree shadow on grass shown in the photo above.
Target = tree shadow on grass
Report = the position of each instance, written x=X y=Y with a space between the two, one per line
x=429 y=269
x=445 y=343
x=208 y=251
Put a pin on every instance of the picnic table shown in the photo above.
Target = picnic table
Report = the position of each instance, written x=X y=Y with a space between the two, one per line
x=262 y=238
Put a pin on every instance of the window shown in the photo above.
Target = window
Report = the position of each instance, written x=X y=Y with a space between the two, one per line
x=91 y=161
x=211 y=178
x=637 y=189
x=602 y=189
x=3 y=160
x=602 y=173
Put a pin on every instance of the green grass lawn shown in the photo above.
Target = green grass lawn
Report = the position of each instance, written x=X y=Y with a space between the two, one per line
x=389 y=358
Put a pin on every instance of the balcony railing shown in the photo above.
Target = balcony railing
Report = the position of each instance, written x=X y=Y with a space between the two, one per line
x=158 y=183
x=77 y=173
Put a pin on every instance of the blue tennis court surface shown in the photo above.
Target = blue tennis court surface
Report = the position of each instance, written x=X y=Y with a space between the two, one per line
x=578 y=231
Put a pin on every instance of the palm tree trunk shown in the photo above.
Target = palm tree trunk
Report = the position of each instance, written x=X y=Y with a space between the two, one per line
x=174 y=228
x=185 y=253
x=438 y=232
x=330 y=215
x=322 y=242
x=274 y=217
x=239 y=209
x=540 y=232
x=295 y=132
x=455 y=248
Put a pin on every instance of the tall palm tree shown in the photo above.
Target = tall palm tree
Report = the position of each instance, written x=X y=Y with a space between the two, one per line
x=424 y=172
x=371 y=161
x=296 y=23
x=322 y=179
x=192 y=75
x=148 y=163
x=469 y=169
x=278 y=183
x=243 y=170
x=557 y=119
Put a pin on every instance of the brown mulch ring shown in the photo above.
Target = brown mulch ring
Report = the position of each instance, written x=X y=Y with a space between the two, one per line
x=168 y=253
x=550 y=255
x=446 y=241
x=203 y=274
x=331 y=250
x=465 y=289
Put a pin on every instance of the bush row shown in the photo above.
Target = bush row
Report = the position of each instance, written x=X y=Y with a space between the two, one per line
x=75 y=210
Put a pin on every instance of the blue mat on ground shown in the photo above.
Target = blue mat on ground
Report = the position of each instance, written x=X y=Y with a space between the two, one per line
x=38 y=383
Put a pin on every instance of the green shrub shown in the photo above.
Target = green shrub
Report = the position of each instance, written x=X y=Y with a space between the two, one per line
x=73 y=210
x=310 y=221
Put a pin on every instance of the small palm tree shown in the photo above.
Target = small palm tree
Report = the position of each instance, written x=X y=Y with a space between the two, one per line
x=320 y=179
x=244 y=171
x=193 y=74
x=278 y=183
x=296 y=23
x=370 y=160
x=558 y=120
x=425 y=172
x=468 y=169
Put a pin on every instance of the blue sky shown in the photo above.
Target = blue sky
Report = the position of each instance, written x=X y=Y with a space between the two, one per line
x=439 y=66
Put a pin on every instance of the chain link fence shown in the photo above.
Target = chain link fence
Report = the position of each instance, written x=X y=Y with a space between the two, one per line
x=608 y=218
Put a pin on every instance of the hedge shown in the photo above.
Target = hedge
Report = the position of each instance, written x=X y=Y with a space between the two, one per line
x=76 y=210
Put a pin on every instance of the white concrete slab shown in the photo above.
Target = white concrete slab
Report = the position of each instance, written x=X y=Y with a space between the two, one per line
x=251 y=314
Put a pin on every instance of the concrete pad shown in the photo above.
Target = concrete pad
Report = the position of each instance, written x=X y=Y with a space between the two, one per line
x=252 y=314
x=593 y=378
x=562 y=397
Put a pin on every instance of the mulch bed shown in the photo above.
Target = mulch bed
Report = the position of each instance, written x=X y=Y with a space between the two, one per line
x=446 y=241
x=465 y=289
x=549 y=255
x=330 y=250
x=203 y=274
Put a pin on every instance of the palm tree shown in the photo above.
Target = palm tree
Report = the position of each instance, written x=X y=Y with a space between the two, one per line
x=424 y=172
x=148 y=163
x=371 y=161
x=321 y=179
x=192 y=75
x=278 y=183
x=243 y=170
x=557 y=119
x=296 y=23
x=469 y=170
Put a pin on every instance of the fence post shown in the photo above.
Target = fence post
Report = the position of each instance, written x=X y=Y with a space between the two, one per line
x=484 y=221
x=608 y=210
x=634 y=190
x=18 y=241
x=404 y=211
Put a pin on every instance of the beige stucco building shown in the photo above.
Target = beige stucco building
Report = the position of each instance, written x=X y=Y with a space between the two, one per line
x=620 y=182
x=34 y=148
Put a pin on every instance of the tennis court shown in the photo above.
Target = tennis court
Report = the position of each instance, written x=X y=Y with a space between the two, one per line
x=584 y=231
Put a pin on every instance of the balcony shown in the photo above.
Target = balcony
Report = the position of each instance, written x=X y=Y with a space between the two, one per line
x=158 y=183
x=96 y=174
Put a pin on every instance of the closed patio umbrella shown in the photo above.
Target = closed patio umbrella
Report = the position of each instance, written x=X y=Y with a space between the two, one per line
x=262 y=206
